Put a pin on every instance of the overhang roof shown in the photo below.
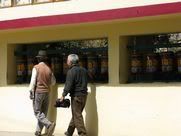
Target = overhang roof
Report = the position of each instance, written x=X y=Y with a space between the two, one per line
x=96 y=16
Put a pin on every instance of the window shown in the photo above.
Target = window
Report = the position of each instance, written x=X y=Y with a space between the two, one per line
x=12 y=3
x=155 y=58
x=42 y=1
x=93 y=55
x=22 y=2
x=5 y=3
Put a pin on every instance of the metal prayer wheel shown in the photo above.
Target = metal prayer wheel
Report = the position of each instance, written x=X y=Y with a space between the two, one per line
x=30 y=65
x=82 y=61
x=167 y=61
x=56 y=65
x=152 y=63
x=92 y=64
x=136 y=63
x=104 y=64
x=65 y=66
x=21 y=66
x=178 y=54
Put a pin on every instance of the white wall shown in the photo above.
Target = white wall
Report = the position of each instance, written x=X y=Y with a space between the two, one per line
x=72 y=6
x=125 y=110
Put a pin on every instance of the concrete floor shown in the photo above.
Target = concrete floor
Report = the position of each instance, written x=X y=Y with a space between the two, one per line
x=22 y=134
x=3 y=133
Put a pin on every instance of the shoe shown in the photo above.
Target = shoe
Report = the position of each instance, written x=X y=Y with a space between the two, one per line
x=67 y=134
x=37 y=133
x=51 y=129
x=82 y=134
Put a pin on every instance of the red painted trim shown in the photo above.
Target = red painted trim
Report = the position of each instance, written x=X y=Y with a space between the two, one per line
x=123 y=13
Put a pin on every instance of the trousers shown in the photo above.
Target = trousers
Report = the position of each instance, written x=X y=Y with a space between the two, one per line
x=40 y=106
x=77 y=121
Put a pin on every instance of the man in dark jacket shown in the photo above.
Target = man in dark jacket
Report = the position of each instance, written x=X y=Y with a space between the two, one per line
x=76 y=85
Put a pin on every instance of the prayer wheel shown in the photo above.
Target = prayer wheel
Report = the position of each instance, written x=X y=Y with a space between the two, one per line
x=56 y=66
x=136 y=63
x=152 y=63
x=178 y=54
x=104 y=65
x=83 y=61
x=21 y=69
x=92 y=65
x=103 y=68
x=30 y=65
x=65 y=66
x=167 y=61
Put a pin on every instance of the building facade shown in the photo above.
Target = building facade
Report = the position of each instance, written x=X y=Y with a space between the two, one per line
x=115 y=108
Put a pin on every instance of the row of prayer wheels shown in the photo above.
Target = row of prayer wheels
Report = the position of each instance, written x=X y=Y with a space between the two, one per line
x=96 y=65
x=155 y=62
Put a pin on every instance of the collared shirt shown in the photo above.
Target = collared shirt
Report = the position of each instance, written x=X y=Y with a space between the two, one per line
x=76 y=81
x=34 y=77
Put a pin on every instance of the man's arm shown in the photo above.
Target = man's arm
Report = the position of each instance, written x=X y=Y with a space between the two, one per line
x=68 y=84
x=33 y=80
x=33 y=84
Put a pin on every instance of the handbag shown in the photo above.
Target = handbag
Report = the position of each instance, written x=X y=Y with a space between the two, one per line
x=64 y=104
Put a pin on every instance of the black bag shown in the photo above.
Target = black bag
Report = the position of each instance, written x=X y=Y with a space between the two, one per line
x=64 y=104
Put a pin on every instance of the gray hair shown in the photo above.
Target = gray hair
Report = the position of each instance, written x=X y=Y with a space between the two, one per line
x=73 y=58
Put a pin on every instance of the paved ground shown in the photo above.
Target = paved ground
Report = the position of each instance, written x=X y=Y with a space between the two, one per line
x=21 y=134
x=2 y=133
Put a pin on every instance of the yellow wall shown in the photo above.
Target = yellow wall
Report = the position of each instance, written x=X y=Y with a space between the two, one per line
x=112 y=109
x=123 y=61
x=117 y=33
x=131 y=110
x=3 y=63
x=137 y=26
x=11 y=68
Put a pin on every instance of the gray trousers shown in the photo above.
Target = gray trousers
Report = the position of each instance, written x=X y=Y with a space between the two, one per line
x=40 y=106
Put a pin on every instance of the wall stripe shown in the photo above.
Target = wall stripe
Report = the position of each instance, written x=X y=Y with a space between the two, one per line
x=123 y=13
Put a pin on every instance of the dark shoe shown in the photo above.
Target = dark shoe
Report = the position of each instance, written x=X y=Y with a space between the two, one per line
x=82 y=135
x=67 y=134
x=37 y=133
x=51 y=129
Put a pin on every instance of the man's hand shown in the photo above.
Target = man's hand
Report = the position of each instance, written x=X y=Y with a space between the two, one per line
x=32 y=95
x=61 y=98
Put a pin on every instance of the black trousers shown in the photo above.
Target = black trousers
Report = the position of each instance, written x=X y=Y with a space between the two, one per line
x=77 y=121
